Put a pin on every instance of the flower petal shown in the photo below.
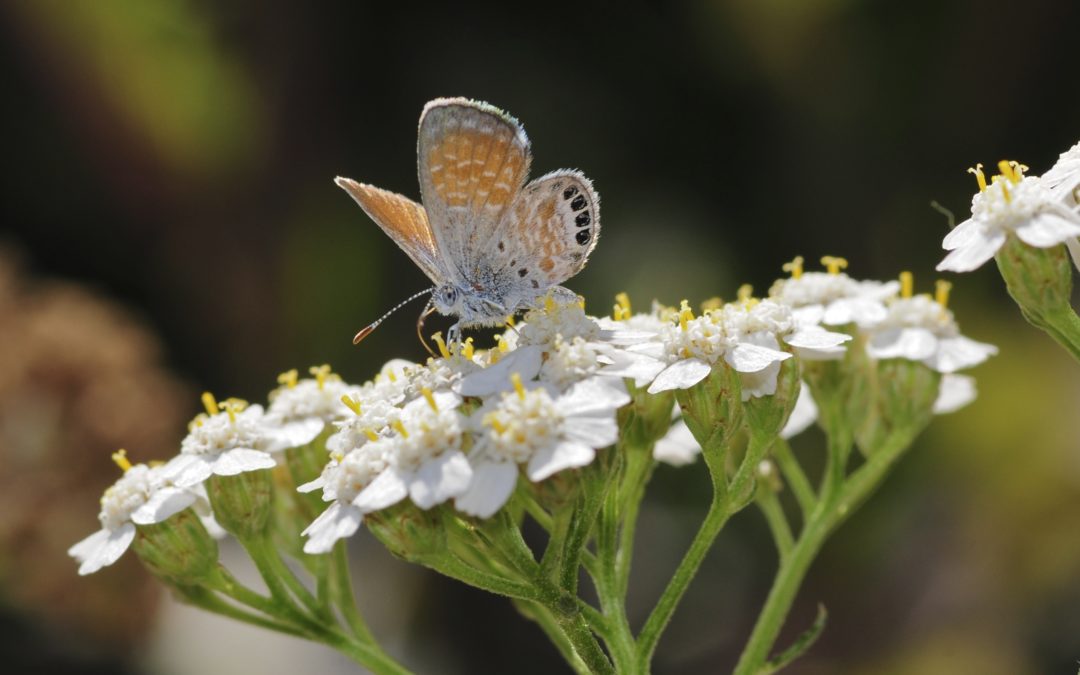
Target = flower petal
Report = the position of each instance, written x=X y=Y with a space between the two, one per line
x=680 y=375
x=338 y=521
x=525 y=361
x=387 y=489
x=962 y=235
x=815 y=337
x=1047 y=229
x=915 y=344
x=297 y=433
x=803 y=414
x=957 y=353
x=751 y=358
x=594 y=395
x=956 y=392
x=973 y=253
x=678 y=447
x=491 y=486
x=312 y=486
x=163 y=504
x=596 y=431
x=1074 y=251
x=102 y=548
x=241 y=460
x=439 y=479
x=555 y=458
x=187 y=470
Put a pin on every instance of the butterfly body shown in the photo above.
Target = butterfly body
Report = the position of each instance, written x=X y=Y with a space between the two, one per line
x=490 y=242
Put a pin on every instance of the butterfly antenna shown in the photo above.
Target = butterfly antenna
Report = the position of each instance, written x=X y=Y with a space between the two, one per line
x=370 y=328
x=429 y=309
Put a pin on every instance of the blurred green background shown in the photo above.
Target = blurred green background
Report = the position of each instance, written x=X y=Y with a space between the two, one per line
x=170 y=225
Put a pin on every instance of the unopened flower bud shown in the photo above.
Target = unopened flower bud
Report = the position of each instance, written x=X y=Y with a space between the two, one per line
x=1038 y=279
x=713 y=408
x=241 y=502
x=408 y=532
x=903 y=402
x=767 y=415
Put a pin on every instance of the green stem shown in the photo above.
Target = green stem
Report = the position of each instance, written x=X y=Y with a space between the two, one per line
x=620 y=641
x=578 y=632
x=279 y=578
x=343 y=596
x=796 y=478
x=368 y=656
x=546 y=620
x=450 y=565
x=206 y=599
x=774 y=515
x=639 y=468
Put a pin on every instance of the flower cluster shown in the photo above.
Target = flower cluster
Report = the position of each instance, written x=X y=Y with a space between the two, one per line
x=471 y=427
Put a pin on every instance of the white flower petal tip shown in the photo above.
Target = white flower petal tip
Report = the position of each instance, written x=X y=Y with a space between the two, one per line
x=975 y=251
x=958 y=353
x=387 y=489
x=678 y=447
x=751 y=358
x=491 y=487
x=915 y=344
x=525 y=361
x=680 y=375
x=240 y=460
x=297 y=433
x=439 y=479
x=956 y=392
x=102 y=548
x=163 y=504
x=553 y=459
x=804 y=414
x=338 y=521
x=1048 y=229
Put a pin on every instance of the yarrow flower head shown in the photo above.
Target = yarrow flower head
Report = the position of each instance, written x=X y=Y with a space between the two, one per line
x=542 y=431
x=832 y=297
x=230 y=439
x=301 y=409
x=142 y=496
x=342 y=481
x=1012 y=203
x=921 y=328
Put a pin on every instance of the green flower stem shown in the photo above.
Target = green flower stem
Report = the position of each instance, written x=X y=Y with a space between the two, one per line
x=206 y=599
x=620 y=641
x=451 y=565
x=580 y=635
x=774 y=515
x=341 y=590
x=796 y=478
x=279 y=578
x=585 y=513
x=368 y=656
x=639 y=468
x=546 y=620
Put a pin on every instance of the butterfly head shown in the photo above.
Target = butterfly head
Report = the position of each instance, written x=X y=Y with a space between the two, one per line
x=448 y=300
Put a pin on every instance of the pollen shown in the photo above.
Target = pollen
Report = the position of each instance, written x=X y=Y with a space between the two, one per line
x=515 y=379
x=685 y=314
x=320 y=373
x=1008 y=169
x=400 y=428
x=941 y=292
x=504 y=346
x=371 y=435
x=492 y=420
x=430 y=398
x=833 y=264
x=467 y=349
x=979 y=176
x=907 y=284
x=210 y=403
x=121 y=460
x=233 y=406
x=351 y=403
x=622 y=306
x=510 y=321
x=549 y=303
x=288 y=378
x=745 y=294
x=443 y=351
x=795 y=267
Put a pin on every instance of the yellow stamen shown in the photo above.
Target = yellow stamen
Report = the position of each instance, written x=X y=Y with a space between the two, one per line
x=795 y=267
x=1008 y=169
x=467 y=349
x=288 y=378
x=549 y=303
x=510 y=321
x=1005 y=193
x=372 y=436
x=621 y=310
x=438 y=338
x=210 y=404
x=492 y=421
x=1019 y=168
x=426 y=391
x=351 y=403
x=120 y=457
x=321 y=373
x=941 y=292
x=581 y=302
x=833 y=264
x=233 y=406
x=337 y=456
x=712 y=304
x=504 y=346
x=400 y=428
x=979 y=176
x=392 y=376
x=907 y=284
x=685 y=314
x=515 y=379
x=745 y=294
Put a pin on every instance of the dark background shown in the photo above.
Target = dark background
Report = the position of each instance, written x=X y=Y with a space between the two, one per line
x=177 y=157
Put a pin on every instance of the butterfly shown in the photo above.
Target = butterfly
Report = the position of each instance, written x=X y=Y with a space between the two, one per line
x=490 y=242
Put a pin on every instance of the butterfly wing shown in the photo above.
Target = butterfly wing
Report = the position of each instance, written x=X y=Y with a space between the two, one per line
x=403 y=220
x=472 y=160
x=548 y=233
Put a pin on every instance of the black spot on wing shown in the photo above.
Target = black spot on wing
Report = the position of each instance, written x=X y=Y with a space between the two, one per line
x=535 y=283
x=522 y=272
x=569 y=192
x=583 y=219
x=583 y=237
x=578 y=203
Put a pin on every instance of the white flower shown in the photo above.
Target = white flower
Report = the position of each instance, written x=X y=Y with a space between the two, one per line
x=921 y=329
x=424 y=459
x=142 y=496
x=1011 y=204
x=342 y=481
x=956 y=392
x=224 y=444
x=832 y=298
x=545 y=432
x=300 y=409
x=1063 y=182
x=678 y=447
x=559 y=316
x=802 y=415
